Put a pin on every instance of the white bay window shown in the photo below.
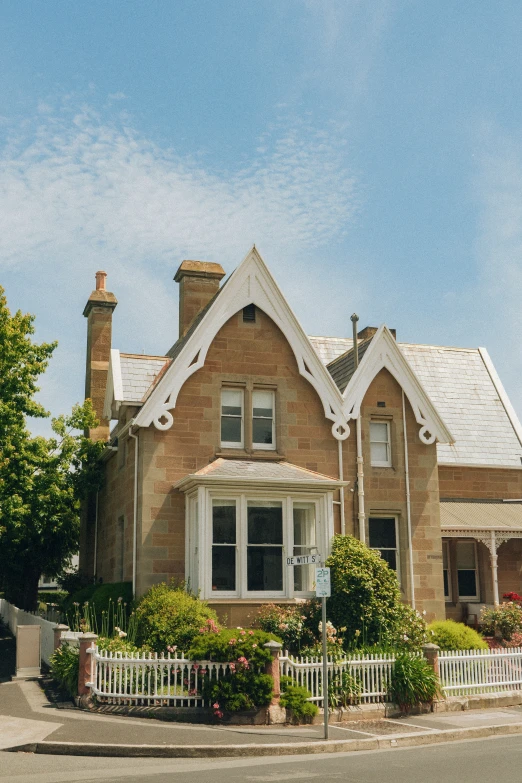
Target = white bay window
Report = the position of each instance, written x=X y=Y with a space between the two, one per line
x=244 y=518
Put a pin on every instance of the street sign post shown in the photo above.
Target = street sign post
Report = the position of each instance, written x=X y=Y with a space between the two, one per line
x=323 y=590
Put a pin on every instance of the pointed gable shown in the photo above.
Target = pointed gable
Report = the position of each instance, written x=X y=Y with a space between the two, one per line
x=382 y=352
x=250 y=283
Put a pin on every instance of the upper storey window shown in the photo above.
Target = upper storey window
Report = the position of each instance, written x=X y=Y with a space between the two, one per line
x=232 y=427
x=263 y=435
x=380 y=452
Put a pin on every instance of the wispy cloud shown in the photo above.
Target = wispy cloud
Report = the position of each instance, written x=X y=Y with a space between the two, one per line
x=71 y=180
x=80 y=192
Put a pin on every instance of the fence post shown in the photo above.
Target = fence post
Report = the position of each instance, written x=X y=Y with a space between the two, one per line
x=57 y=631
x=275 y=713
x=431 y=653
x=87 y=666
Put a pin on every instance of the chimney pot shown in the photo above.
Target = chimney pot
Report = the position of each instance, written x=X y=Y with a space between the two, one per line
x=198 y=284
x=100 y=281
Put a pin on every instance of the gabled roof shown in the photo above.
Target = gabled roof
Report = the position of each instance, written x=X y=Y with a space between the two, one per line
x=258 y=472
x=382 y=352
x=342 y=368
x=250 y=283
x=131 y=378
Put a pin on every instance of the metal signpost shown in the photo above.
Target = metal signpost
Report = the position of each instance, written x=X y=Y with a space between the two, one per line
x=323 y=591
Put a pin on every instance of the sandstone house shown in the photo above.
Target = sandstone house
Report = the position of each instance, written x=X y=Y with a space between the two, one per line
x=248 y=441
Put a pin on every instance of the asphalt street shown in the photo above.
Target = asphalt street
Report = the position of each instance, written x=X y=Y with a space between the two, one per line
x=476 y=761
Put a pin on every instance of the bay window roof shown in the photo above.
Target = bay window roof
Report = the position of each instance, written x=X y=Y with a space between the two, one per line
x=261 y=473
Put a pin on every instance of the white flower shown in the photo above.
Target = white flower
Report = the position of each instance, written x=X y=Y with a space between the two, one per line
x=121 y=634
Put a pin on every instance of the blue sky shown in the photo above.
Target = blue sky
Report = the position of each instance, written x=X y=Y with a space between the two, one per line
x=371 y=150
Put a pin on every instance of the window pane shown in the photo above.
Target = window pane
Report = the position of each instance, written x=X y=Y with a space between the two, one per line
x=379 y=432
x=262 y=403
x=230 y=430
x=467 y=580
x=379 y=452
x=224 y=523
x=390 y=556
x=231 y=401
x=382 y=533
x=446 y=584
x=265 y=568
x=265 y=523
x=223 y=568
x=304 y=540
x=465 y=554
x=262 y=431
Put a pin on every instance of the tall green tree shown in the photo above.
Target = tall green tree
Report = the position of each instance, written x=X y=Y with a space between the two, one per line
x=42 y=480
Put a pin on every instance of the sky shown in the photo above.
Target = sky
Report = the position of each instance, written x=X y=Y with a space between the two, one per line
x=371 y=150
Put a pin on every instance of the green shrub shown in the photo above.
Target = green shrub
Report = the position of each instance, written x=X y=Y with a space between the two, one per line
x=118 y=644
x=413 y=681
x=344 y=689
x=366 y=599
x=65 y=665
x=168 y=616
x=449 y=635
x=295 y=698
x=504 y=619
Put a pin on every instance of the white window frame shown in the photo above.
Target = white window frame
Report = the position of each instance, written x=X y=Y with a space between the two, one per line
x=264 y=446
x=226 y=444
x=389 y=549
x=199 y=537
x=446 y=548
x=475 y=597
x=375 y=462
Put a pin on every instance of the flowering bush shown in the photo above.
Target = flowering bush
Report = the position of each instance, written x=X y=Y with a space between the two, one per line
x=168 y=616
x=290 y=622
x=334 y=643
x=512 y=597
x=245 y=686
x=505 y=620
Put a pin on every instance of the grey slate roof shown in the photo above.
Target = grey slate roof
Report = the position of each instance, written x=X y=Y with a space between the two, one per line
x=342 y=368
x=138 y=374
x=460 y=386
x=462 y=515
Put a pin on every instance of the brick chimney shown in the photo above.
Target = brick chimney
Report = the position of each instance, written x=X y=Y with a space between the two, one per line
x=198 y=283
x=371 y=331
x=98 y=312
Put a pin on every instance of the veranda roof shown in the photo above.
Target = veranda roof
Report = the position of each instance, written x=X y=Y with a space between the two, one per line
x=468 y=518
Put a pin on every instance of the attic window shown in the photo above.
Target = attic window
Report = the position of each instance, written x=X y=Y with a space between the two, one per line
x=249 y=313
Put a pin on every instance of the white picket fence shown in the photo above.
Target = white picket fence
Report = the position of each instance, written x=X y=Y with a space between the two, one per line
x=467 y=672
x=149 y=678
x=370 y=674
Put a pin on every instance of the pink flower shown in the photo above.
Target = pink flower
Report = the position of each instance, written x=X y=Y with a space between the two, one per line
x=203 y=672
x=192 y=692
x=195 y=666
x=250 y=633
x=219 y=714
x=233 y=641
x=242 y=633
x=232 y=667
x=216 y=706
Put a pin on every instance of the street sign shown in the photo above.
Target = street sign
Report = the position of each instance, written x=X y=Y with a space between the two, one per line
x=323 y=587
x=298 y=560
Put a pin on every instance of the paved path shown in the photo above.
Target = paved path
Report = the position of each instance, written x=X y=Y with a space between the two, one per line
x=26 y=718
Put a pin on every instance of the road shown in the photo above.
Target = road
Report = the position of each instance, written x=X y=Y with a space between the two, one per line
x=476 y=761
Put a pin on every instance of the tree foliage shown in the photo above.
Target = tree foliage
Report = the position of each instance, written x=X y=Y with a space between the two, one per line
x=41 y=479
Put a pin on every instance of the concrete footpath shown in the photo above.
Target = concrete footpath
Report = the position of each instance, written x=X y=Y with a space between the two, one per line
x=29 y=723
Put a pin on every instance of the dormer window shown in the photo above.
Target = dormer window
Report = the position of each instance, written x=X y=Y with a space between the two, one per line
x=232 y=427
x=263 y=434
